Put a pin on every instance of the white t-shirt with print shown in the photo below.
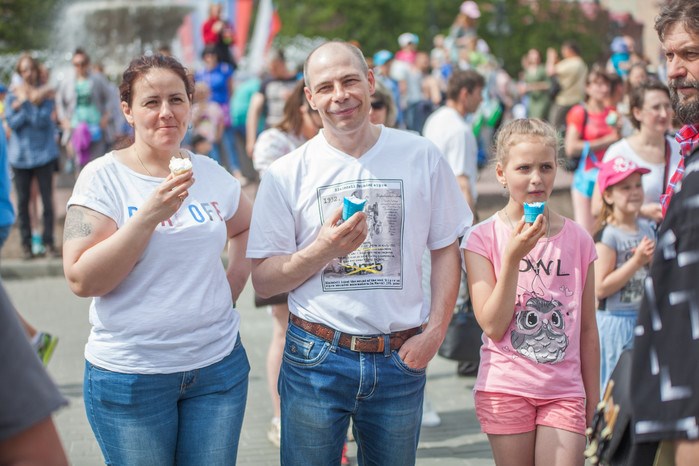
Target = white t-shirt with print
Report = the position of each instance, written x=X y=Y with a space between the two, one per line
x=413 y=203
x=173 y=312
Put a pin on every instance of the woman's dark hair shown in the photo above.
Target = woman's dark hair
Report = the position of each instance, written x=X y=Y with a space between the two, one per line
x=142 y=65
x=292 y=121
x=638 y=96
x=598 y=72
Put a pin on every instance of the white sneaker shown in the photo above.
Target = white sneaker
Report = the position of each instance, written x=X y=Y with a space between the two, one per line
x=430 y=418
x=274 y=434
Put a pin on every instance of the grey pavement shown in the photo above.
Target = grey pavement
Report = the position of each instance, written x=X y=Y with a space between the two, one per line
x=40 y=293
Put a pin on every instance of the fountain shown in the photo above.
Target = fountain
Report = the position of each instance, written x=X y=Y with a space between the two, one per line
x=114 y=31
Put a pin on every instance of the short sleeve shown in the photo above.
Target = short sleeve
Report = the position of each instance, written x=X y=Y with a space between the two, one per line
x=272 y=228
x=451 y=216
x=92 y=190
x=575 y=118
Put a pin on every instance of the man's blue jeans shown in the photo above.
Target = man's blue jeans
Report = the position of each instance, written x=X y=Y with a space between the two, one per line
x=185 y=418
x=322 y=386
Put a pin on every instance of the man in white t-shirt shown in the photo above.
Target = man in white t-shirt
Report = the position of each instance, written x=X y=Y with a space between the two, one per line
x=357 y=344
x=448 y=129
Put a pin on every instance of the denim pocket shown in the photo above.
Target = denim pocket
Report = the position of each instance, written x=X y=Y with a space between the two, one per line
x=404 y=367
x=304 y=350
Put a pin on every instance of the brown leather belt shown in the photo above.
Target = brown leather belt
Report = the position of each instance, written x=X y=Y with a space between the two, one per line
x=371 y=344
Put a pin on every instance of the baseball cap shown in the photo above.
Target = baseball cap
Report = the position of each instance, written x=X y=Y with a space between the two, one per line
x=381 y=57
x=470 y=9
x=408 y=38
x=615 y=171
x=619 y=45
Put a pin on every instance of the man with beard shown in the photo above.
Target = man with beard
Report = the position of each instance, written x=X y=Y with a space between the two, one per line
x=665 y=394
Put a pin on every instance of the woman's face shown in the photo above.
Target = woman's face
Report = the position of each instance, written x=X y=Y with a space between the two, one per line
x=160 y=109
x=27 y=71
x=636 y=76
x=597 y=89
x=656 y=113
x=311 y=121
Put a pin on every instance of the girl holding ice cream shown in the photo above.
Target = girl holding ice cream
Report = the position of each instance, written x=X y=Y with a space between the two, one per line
x=532 y=288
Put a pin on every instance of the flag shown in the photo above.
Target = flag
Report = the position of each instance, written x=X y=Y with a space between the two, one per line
x=267 y=25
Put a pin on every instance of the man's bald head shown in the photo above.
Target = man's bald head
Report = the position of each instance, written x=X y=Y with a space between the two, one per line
x=336 y=47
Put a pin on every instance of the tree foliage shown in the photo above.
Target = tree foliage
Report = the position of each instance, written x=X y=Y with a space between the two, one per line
x=26 y=24
x=376 y=24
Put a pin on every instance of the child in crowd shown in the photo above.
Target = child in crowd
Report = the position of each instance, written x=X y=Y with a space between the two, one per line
x=532 y=289
x=625 y=245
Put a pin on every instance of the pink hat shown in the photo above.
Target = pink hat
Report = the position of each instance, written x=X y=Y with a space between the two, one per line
x=616 y=170
x=470 y=9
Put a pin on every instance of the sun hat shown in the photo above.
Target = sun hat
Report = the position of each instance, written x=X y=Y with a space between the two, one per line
x=381 y=57
x=470 y=9
x=408 y=38
x=615 y=171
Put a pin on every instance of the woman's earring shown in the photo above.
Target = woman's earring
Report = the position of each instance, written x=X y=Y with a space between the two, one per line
x=504 y=186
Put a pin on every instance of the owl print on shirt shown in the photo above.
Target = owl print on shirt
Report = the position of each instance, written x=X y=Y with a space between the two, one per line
x=539 y=330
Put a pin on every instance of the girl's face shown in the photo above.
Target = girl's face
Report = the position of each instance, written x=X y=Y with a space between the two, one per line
x=160 y=109
x=656 y=113
x=597 y=89
x=626 y=196
x=529 y=171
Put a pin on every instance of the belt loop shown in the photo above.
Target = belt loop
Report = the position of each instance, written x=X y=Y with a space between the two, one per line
x=336 y=340
x=386 y=345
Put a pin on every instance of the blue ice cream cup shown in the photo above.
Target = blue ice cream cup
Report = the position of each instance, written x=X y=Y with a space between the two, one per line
x=532 y=210
x=351 y=205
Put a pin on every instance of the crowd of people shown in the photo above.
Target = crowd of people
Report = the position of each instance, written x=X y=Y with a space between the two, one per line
x=361 y=303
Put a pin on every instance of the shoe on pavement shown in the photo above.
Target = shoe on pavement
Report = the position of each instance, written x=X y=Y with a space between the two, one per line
x=274 y=434
x=430 y=418
x=45 y=346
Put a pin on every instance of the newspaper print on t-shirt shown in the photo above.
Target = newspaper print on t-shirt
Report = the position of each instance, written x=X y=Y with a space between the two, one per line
x=378 y=262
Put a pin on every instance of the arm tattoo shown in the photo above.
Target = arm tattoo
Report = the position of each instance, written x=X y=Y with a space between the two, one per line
x=76 y=226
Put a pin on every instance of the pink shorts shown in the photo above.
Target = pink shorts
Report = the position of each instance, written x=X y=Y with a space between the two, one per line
x=504 y=414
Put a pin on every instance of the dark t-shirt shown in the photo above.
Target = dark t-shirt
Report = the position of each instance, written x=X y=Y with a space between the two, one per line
x=27 y=393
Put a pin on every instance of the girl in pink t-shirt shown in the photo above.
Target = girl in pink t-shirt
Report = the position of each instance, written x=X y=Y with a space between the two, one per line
x=532 y=288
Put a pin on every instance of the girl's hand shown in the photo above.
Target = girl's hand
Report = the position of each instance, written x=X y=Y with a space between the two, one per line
x=524 y=238
x=644 y=251
x=168 y=197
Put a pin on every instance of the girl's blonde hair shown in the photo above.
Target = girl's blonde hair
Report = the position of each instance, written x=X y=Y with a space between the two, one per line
x=525 y=129
x=605 y=212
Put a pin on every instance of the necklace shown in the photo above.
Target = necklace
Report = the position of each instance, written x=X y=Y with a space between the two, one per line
x=534 y=265
x=179 y=154
x=144 y=167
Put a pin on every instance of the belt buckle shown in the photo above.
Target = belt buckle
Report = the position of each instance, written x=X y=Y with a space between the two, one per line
x=354 y=340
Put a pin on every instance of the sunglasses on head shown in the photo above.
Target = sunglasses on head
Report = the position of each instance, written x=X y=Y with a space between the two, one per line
x=378 y=105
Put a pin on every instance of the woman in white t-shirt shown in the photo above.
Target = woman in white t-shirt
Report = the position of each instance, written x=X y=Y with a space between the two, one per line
x=299 y=124
x=166 y=375
x=650 y=112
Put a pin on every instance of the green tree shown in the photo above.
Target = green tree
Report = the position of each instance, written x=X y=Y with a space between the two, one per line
x=376 y=24
x=26 y=24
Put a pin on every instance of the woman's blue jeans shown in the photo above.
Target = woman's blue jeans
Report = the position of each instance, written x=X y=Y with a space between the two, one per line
x=184 y=418
x=322 y=386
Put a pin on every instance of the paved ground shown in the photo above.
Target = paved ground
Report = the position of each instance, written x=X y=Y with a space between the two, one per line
x=40 y=293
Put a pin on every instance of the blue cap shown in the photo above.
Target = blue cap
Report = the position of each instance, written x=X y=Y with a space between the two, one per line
x=3 y=88
x=381 y=57
x=619 y=45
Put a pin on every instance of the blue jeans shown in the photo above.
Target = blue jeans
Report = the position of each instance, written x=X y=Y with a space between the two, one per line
x=322 y=386
x=185 y=418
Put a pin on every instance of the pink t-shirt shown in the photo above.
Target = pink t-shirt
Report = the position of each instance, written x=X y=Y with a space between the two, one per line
x=539 y=356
